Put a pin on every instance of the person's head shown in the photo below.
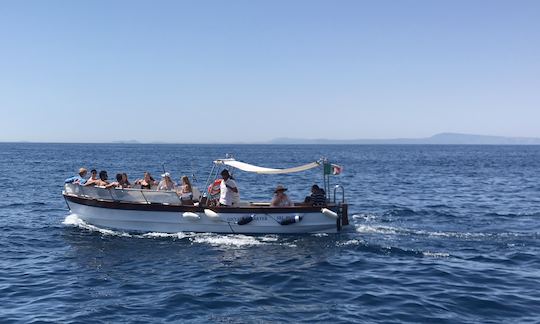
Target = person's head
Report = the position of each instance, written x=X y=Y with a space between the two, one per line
x=119 y=177
x=166 y=176
x=124 y=177
x=280 y=190
x=82 y=172
x=315 y=188
x=185 y=180
x=147 y=176
x=93 y=173
x=225 y=174
x=103 y=175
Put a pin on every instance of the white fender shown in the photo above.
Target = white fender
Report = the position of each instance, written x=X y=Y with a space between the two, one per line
x=191 y=216
x=329 y=213
x=212 y=215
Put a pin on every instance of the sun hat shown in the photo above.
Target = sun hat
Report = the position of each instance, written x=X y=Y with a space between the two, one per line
x=280 y=188
x=166 y=174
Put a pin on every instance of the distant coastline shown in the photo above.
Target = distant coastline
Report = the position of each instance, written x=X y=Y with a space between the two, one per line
x=438 y=139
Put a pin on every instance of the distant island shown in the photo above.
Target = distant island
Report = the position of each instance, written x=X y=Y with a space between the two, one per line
x=438 y=139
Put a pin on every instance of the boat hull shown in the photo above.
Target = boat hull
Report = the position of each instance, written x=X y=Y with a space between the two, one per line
x=149 y=217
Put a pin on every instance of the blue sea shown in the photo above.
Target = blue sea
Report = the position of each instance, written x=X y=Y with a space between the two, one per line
x=438 y=234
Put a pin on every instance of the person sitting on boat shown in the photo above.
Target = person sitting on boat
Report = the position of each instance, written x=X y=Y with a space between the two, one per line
x=186 y=191
x=78 y=179
x=166 y=182
x=117 y=183
x=103 y=179
x=229 y=194
x=146 y=182
x=125 y=182
x=93 y=178
x=280 y=198
x=317 y=196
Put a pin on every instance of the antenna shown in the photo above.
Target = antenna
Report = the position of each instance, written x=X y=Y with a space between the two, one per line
x=193 y=173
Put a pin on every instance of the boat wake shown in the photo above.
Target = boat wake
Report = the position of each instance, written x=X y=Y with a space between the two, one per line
x=74 y=220
x=213 y=239
x=242 y=241
x=390 y=230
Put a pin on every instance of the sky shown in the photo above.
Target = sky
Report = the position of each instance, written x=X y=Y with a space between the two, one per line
x=252 y=71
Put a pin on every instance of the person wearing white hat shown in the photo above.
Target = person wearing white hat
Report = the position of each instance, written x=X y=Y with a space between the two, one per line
x=280 y=198
x=166 y=182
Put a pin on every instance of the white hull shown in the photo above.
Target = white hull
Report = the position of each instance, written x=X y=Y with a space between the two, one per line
x=192 y=219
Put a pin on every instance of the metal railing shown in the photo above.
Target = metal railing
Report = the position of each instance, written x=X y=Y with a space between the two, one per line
x=336 y=188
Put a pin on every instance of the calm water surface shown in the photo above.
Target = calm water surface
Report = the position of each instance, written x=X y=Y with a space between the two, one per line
x=438 y=234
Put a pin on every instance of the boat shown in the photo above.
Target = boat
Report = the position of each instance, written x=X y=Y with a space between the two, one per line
x=143 y=210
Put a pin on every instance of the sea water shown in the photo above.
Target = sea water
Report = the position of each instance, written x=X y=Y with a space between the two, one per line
x=438 y=234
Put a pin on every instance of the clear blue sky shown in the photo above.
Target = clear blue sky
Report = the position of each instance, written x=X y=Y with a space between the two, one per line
x=228 y=71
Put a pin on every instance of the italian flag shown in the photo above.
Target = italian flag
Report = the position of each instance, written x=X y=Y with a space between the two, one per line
x=336 y=169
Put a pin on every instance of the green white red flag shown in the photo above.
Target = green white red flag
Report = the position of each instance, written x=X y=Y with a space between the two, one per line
x=336 y=169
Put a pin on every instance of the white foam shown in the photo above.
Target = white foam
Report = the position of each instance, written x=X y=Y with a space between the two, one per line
x=269 y=238
x=382 y=229
x=234 y=240
x=72 y=219
x=436 y=254
x=229 y=240
x=365 y=217
x=179 y=235
x=376 y=229
x=349 y=242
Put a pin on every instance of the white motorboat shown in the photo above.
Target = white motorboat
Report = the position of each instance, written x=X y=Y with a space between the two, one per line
x=141 y=210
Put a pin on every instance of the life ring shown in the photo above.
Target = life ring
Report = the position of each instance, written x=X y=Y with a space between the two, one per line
x=215 y=188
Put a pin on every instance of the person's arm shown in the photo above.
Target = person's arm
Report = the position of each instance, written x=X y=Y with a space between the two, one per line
x=89 y=183
x=70 y=180
x=112 y=185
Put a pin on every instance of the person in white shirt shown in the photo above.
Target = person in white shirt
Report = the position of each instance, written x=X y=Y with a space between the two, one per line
x=166 y=183
x=229 y=194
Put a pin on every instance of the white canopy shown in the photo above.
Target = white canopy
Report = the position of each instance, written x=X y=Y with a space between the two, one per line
x=261 y=170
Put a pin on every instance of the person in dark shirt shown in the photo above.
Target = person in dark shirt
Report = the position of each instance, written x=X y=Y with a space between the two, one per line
x=317 y=196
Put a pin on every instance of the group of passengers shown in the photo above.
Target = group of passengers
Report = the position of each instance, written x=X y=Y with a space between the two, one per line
x=228 y=194
x=316 y=198
x=147 y=182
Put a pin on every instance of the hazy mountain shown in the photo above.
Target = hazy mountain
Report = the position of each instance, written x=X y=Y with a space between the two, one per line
x=443 y=138
x=127 y=142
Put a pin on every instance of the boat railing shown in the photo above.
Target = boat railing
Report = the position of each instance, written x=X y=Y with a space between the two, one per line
x=342 y=189
x=124 y=195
